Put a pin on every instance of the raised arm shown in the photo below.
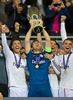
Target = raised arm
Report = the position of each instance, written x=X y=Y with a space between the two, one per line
x=54 y=65
x=6 y=48
x=27 y=38
x=39 y=38
x=47 y=38
x=63 y=30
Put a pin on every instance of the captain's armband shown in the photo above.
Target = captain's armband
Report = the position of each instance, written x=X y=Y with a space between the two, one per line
x=47 y=49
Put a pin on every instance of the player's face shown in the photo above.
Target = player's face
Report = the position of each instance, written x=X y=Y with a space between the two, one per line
x=67 y=45
x=16 y=46
x=37 y=46
x=53 y=46
x=57 y=49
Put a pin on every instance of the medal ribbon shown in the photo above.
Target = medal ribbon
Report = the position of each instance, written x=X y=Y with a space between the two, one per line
x=37 y=60
x=53 y=56
x=65 y=65
x=17 y=63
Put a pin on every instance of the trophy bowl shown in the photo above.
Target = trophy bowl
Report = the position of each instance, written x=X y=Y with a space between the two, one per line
x=35 y=15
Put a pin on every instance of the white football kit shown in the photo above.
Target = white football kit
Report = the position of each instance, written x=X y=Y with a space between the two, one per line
x=54 y=79
x=16 y=76
x=66 y=78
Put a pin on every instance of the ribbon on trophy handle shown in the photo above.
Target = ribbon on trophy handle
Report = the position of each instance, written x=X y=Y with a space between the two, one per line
x=35 y=15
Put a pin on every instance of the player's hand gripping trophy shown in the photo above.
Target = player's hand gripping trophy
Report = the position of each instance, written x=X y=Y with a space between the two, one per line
x=34 y=14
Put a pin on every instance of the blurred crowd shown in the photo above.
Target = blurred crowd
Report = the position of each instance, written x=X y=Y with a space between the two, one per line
x=12 y=11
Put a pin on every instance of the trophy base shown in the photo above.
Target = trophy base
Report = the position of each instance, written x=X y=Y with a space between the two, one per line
x=37 y=29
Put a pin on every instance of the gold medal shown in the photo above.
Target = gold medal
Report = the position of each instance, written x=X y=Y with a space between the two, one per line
x=37 y=66
x=65 y=71
x=17 y=69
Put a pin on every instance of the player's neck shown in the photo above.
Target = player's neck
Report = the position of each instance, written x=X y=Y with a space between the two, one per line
x=54 y=53
x=17 y=53
x=65 y=53
x=36 y=52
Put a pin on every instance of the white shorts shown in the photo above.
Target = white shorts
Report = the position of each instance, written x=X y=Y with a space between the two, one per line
x=18 y=92
x=63 y=92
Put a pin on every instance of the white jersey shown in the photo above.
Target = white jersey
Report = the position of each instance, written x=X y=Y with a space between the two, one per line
x=66 y=78
x=53 y=79
x=55 y=64
x=16 y=78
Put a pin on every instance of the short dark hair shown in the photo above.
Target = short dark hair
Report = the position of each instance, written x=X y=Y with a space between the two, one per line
x=67 y=39
x=53 y=40
x=58 y=45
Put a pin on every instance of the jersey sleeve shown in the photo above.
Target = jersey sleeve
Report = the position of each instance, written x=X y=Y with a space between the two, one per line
x=6 y=48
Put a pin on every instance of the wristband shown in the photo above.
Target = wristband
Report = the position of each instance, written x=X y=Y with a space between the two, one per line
x=47 y=49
